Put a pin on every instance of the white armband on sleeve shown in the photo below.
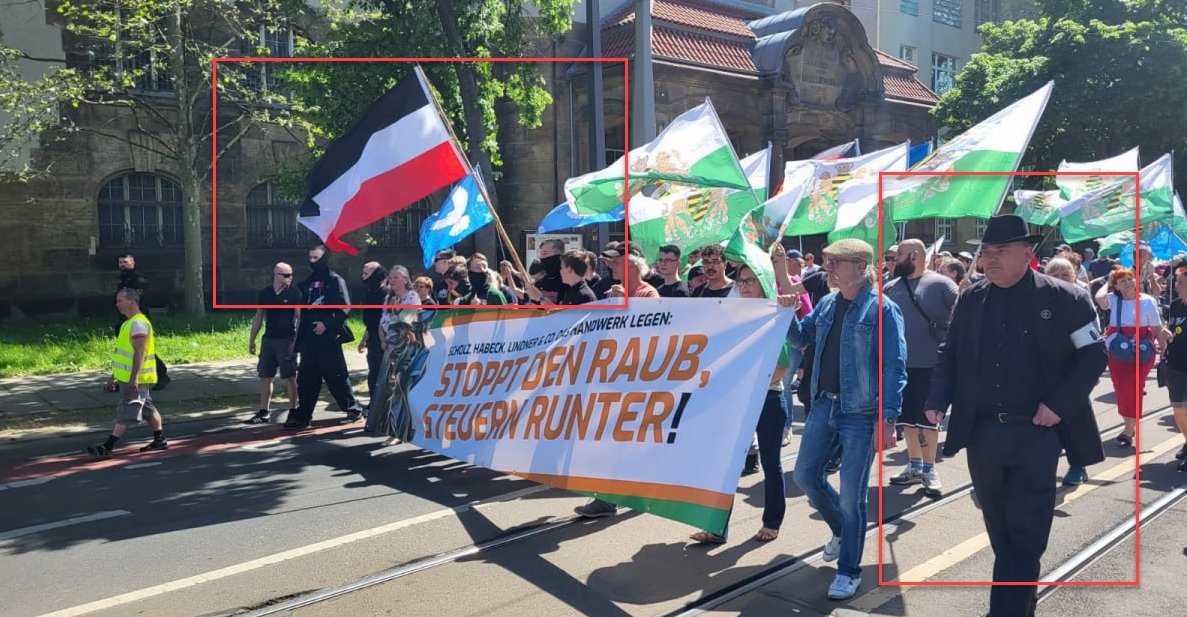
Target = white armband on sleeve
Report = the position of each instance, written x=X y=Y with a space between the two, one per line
x=1085 y=336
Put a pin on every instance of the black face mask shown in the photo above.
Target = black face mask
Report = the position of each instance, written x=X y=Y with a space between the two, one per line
x=375 y=281
x=904 y=269
x=552 y=265
x=478 y=280
x=321 y=265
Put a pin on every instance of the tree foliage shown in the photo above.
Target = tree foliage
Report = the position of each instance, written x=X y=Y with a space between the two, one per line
x=328 y=96
x=149 y=62
x=1120 y=71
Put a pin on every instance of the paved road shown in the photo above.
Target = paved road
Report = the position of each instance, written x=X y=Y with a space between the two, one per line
x=242 y=517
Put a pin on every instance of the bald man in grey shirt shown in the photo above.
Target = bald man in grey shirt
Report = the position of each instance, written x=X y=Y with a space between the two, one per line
x=926 y=299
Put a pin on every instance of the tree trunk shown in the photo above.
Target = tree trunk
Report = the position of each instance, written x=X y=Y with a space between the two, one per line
x=475 y=124
x=194 y=304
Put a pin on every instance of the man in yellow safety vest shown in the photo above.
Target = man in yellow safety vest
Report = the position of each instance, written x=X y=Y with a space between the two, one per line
x=134 y=364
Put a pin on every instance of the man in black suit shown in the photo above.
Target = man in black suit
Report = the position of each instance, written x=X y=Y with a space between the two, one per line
x=1018 y=366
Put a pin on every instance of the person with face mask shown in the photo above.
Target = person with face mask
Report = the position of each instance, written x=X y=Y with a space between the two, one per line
x=484 y=289
x=551 y=285
x=375 y=285
x=926 y=299
x=320 y=337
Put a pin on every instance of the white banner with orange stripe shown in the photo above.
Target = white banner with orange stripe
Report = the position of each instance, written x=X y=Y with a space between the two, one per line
x=652 y=407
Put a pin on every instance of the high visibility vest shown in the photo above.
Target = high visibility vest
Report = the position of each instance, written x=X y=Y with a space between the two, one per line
x=121 y=357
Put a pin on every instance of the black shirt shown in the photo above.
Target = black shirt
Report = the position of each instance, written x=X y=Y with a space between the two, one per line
x=131 y=279
x=577 y=294
x=1099 y=267
x=1011 y=377
x=704 y=292
x=278 y=322
x=829 y=369
x=1176 y=322
x=816 y=284
x=679 y=289
x=373 y=294
x=655 y=279
x=552 y=287
x=601 y=287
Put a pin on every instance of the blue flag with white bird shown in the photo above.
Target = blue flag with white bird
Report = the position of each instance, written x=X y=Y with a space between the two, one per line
x=463 y=213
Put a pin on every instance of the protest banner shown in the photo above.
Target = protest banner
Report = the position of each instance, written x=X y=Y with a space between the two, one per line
x=652 y=407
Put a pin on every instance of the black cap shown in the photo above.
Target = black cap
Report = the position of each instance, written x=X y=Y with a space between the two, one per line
x=617 y=249
x=445 y=254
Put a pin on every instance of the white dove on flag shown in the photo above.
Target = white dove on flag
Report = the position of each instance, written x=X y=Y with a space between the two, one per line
x=456 y=218
x=463 y=213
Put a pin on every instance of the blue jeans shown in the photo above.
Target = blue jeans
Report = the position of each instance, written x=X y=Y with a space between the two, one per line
x=796 y=357
x=770 y=437
x=846 y=513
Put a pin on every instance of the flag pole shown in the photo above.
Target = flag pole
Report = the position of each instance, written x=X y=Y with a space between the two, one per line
x=470 y=170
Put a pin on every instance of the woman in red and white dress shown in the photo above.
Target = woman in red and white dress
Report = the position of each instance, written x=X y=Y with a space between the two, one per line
x=1119 y=297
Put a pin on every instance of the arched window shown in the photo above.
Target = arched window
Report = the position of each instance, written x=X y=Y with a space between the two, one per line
x=140 y=210
x=272 y=221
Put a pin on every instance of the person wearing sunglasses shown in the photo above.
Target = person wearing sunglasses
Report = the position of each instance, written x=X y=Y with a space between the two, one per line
x=277 y=350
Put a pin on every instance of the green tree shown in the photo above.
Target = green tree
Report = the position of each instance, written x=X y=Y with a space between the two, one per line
x=1120 y=71
x=327 y=97
x=152 y=60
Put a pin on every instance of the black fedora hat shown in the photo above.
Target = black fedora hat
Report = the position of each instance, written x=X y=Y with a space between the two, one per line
x=1007 y=228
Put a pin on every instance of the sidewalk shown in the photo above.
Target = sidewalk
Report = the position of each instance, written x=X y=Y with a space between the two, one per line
x=47 y=394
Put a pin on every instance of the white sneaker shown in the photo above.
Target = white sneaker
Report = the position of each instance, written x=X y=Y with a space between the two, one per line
x=931 y=484
x=832 y=549
x=787 y=438
x=843 y=587
x=909 y=475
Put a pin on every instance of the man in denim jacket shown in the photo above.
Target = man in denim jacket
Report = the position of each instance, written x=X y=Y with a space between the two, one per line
x=846 y=400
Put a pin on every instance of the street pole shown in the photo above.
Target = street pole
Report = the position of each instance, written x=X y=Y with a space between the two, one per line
x=597 y=114
x=643 y=89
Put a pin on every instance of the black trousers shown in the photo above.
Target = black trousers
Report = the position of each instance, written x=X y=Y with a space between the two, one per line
x=374 y=364
x=1013 y=470
x=322 y=363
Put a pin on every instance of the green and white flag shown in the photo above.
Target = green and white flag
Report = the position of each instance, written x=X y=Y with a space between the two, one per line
x=1038 y=207
x=994 y=145
x=838 y=195
x=1071 y=187
x=858 y=214
x=693 y=150
x=1114 y=207
x=691 y=217
x=745 y=246
x=781 y=208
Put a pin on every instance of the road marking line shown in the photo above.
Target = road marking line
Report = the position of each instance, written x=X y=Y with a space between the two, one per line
x=78 y=520
x=23 y=483
x=142 y=465
x=881 y=595
x=270 y=560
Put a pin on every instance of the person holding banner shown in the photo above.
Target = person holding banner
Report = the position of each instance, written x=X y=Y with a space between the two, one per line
x=846 y=401
x=770 y=427
x=484 y=287
x=574 y=267
x=717 y=284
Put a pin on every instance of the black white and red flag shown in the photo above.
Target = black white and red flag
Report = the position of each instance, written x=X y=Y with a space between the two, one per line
x=397 y=152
